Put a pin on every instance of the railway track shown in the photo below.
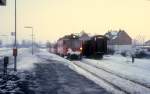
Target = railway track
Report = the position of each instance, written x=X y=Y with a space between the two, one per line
x=133 y=88
x=140 y=83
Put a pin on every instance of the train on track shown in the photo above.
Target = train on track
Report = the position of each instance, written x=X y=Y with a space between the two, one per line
x=69 y=46
x=95 y=47
x=72 y=47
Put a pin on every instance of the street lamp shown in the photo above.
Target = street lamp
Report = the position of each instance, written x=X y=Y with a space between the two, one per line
x=32 y=36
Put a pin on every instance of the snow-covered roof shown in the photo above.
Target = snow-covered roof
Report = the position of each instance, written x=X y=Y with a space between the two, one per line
x=112 y=34
x=147 y=42
x=114 y=37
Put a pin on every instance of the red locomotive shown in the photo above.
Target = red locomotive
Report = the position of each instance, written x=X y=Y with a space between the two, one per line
x=72 y=47
x=69 y=46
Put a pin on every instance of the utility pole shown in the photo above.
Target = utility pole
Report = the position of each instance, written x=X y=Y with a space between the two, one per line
x=15 y=44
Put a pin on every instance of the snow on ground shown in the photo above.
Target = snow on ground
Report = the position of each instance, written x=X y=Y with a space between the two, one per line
x=54 y=77
x=95 y=79
x=138 y=71
x=124 y=84
x=25 y=60
x=123 y=67
x=46 y=55
x=72 y=66
x=26 y=83
x=20 y=82
x=17 y=83
x=141 y=63
x=5 y=52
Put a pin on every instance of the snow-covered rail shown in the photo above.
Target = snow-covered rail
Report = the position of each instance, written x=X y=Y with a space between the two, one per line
x=119 y=75
x=127 y=86
x=109 y=83
x=127 y=71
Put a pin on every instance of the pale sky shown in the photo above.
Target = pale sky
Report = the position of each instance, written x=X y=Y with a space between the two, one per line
x=52 y=19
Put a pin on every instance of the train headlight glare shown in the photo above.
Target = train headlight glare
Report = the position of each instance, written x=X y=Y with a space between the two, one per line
x=81 y=48
x=74 y=36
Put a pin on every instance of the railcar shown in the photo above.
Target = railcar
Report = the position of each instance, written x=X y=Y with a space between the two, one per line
x=53 y=48
x=70 y=46
x=95 y=47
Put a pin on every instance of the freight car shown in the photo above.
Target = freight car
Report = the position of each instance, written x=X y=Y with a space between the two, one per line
x=96 y=47
x=70 y=46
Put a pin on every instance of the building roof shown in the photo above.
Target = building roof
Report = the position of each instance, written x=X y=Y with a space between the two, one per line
x=147 y=42
x=112 y=34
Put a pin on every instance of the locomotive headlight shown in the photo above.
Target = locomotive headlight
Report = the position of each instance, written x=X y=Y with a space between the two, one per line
x=81 y=48
x=74 y=36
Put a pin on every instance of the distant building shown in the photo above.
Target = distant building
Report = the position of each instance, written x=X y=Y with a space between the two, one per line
x=84 y=36
x=119 y=40
x=147 y=43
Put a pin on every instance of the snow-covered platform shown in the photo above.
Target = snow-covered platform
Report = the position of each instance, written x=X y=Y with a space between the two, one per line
x=45 y=73
x=53 y=77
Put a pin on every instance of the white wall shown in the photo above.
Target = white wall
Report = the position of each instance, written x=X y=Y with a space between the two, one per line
x=120 y=48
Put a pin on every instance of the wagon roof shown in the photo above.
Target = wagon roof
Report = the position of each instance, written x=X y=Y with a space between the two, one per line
x=72 y=36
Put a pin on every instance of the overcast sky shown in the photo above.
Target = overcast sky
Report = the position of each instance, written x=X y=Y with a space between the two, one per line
x=52 y=19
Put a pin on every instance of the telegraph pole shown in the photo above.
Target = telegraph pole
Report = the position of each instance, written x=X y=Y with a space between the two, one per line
x=15 y=44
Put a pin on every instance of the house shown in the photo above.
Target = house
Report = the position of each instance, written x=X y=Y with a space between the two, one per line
x=84 y=36
x=119 y=40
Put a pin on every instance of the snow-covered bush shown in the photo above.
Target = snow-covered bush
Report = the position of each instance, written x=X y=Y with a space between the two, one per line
x=140 y=54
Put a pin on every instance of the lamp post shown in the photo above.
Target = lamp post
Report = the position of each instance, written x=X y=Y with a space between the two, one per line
x=32 y=36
